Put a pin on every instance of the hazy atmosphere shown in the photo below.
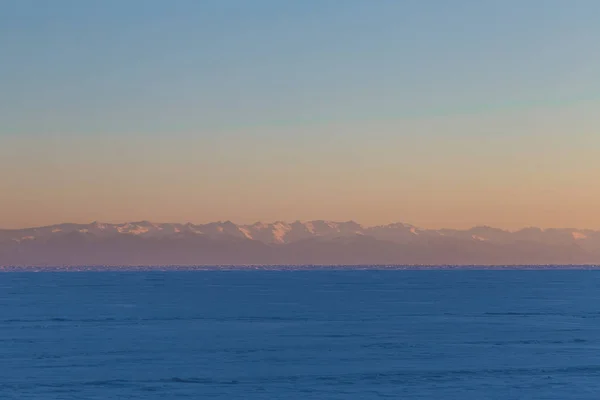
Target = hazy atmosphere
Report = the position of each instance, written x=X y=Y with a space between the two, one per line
x=439 y=114
x=300 y=199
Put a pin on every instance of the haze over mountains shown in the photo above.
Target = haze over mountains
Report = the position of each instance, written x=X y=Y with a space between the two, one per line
x=313 y=242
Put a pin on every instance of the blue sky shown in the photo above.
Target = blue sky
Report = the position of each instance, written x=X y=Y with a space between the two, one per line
x=263 y=85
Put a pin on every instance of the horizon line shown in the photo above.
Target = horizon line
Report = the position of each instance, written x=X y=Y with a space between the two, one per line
x=146 y=221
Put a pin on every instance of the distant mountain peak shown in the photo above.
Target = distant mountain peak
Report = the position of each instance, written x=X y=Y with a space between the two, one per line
x=315 y=241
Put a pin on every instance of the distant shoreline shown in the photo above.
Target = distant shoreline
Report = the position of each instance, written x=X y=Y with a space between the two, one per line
x=339 y=268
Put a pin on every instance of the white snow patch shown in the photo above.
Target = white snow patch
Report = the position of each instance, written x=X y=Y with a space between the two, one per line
x=132 y=229
x=579 y=236
x=332 y=225
x=124 y=228
x=246 y=232
x=260 y=226
x=310 y=227
x=279 y=231
x=138 y=230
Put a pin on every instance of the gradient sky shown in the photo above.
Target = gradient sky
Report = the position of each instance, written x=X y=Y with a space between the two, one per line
x=433 y=112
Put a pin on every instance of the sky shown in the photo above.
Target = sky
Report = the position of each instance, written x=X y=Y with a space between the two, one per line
x=436 y=113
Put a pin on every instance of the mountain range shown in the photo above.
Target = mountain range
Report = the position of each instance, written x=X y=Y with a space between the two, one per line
x=297 y=243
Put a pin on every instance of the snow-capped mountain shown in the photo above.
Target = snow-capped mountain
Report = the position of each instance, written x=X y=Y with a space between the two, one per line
x=317 y=242
x=276 y=233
